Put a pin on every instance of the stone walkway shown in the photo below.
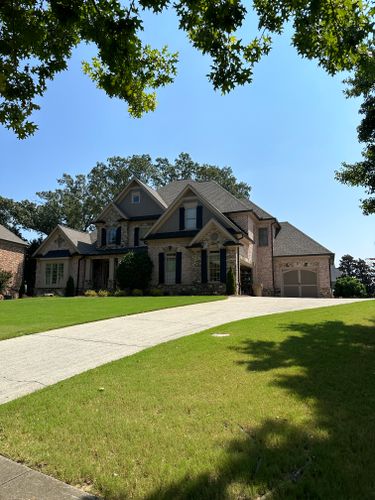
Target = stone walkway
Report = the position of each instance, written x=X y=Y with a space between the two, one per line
x=32 y=362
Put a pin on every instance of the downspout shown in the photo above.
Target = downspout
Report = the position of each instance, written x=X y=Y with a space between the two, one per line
x=78 y=272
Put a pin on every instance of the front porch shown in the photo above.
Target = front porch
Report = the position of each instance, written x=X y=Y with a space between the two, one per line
x=100 y=273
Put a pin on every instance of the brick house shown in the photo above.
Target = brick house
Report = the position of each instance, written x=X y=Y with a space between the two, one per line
x=12 y=258
x=193 y=232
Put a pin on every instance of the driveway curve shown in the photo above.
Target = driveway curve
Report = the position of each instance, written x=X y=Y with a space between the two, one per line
x=35 y=361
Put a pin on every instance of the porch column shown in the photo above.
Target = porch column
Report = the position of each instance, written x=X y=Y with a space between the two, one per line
x=111 y=273
x=88 y=274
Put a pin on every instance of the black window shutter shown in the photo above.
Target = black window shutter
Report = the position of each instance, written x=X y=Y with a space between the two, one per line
x=223 y=265
x=118 y=236
x=161 y=267
x=199 y=217
x=204 y=266
x=136 y=236
x=104 y=236
x=182 y=218
x=178 y=266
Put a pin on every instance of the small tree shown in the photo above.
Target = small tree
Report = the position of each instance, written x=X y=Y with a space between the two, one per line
x=348 y=286
x=69 y=289
x=134 y=271
x=230 y=283
x=5 y=277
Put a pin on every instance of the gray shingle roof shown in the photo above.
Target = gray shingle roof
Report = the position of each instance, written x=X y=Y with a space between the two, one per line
x=291 y=241
x=7 y=235
x=222 y=199
x=82 y=241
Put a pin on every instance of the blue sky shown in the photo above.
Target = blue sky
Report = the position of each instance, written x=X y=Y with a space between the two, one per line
x=285 y=134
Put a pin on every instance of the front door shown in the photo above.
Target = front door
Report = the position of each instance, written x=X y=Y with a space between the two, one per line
x=100 y=272
x=246 y=281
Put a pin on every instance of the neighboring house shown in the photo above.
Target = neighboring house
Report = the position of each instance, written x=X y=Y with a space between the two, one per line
x=193 y=232
x=12 y=258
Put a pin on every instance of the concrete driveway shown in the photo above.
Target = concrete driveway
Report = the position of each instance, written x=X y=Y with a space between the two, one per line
x=34 y=361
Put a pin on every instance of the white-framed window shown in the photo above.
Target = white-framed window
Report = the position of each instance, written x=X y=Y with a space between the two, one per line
x=54 y=273
x=170 y=269
x=136 y=197
x=190 y=217
x=214 y=266
x=111 y=236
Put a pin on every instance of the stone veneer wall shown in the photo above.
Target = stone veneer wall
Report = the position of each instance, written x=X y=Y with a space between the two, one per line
x=319 y=264
x=191 y=269
x=12 y=258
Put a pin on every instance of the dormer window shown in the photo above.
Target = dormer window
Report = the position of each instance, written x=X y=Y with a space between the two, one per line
x=111 y=236
x=136 y=197
x=190 y=217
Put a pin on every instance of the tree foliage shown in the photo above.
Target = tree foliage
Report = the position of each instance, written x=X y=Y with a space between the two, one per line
x=361 y=270
x=38 y=38
x=348 y=286
x=79 y=200
x=134 y=271
x=5 y=277
x=362 y=173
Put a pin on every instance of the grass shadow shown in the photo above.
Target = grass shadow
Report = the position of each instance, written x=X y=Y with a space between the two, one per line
x=330 y=453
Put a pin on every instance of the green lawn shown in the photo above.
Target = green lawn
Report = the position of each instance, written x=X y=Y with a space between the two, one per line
x=283 y=407
x=20 y=317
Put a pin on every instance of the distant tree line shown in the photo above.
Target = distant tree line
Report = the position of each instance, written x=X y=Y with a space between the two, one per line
x=79 y=199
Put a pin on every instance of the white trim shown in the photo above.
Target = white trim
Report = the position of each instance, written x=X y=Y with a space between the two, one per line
x=218 y=226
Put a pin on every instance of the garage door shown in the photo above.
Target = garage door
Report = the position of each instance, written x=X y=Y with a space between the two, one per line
x=300 y=283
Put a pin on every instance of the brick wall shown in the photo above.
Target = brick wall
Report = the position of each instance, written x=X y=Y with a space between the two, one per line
x=319 y=264
x=12 y=259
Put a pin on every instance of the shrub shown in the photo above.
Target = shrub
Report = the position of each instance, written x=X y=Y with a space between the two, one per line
x=156 y=292
x=121 y=293
x=136 y=292
x=134 y=271
x=90 y=293
x=69 y=289
x=103 y=293
x=5 y=277
x=230 y=283
x=347 y=286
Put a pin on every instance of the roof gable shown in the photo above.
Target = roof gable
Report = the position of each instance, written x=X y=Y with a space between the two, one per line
x=190 y=190
x=7 y=235
x=213 y=225
x=218 y=196
x=291 y=241
x=70 y=239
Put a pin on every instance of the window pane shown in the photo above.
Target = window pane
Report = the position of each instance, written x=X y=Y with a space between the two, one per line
x=48 y=274
x=54 y=274
x=191 y=218
x=111 y=235
x=136 y=197
x=263 y=236
x=60 y=272
x=170 y=268
x=214 y=266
